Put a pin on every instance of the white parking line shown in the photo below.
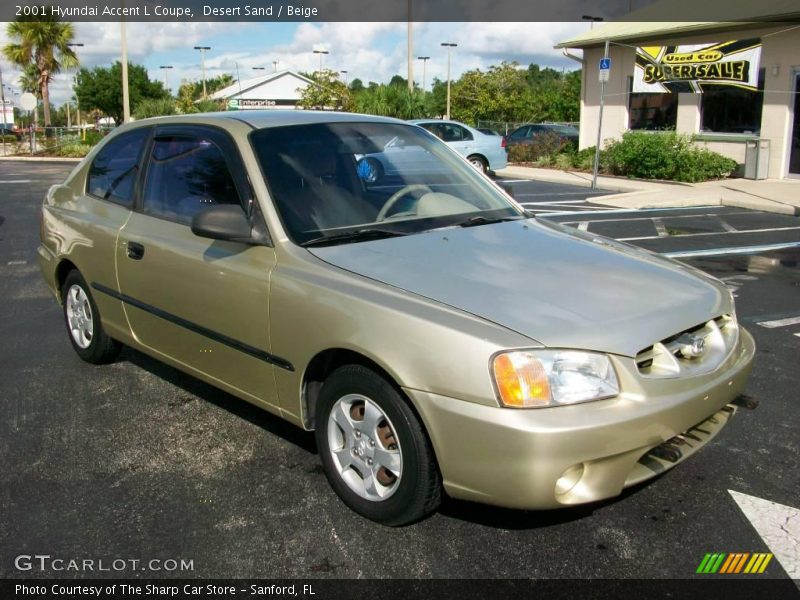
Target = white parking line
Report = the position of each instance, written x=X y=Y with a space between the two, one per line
x=630 y=220
x=16 y=180
x=610 y=211
x=734 y=250
x=13 y=263
x=536 y=208
x=779 y=322
x=660 y=228
x=554 y=201
x=565 y=194
x=725 y=225
x=706 y=233
x=583 y=226
x=797 y=335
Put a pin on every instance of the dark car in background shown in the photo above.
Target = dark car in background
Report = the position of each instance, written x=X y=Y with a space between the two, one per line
x=8 y=131
x=527 y=134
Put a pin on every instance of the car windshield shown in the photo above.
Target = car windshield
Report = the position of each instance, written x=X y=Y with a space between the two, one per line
x=331 y=179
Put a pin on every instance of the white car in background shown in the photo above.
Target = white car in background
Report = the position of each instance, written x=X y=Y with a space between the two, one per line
x=485 y=152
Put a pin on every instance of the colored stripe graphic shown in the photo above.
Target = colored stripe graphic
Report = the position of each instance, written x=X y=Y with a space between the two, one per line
x=734 y=563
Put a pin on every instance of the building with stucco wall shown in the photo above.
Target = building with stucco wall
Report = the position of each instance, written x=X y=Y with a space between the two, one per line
x=723 y=118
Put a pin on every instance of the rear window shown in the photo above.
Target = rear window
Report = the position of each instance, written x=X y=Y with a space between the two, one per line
x=115 y=168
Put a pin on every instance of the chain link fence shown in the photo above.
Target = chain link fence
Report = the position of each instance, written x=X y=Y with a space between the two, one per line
x=62 y=142
x=506 y=127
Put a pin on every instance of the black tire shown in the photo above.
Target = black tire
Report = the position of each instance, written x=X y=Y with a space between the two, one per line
x=99 y=348
x=479 y=163
x=418 y=489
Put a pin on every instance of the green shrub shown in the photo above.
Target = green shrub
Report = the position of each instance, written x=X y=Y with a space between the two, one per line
x=155 y=107
x=545 y=144
x=663 y=156
x=73 y=150
x=583 y=160
x=702 y=165
x=93 y=137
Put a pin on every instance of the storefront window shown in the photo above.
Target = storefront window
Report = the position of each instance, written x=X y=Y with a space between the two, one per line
x=651 y=111
x=728 y=109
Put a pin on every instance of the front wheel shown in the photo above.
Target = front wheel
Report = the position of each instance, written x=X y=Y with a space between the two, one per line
x=82 y=318
x=374 y=451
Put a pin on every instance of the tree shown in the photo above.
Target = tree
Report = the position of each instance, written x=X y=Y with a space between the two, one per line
x=191 y=91
x=328 y=93
x=41 y=41
x=101 y=89
x=499 y=94
x=356 y=85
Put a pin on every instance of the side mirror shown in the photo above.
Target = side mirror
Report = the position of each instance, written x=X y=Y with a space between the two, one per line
x=223 y=222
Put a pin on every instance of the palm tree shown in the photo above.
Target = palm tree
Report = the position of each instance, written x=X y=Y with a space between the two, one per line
x=42 y=42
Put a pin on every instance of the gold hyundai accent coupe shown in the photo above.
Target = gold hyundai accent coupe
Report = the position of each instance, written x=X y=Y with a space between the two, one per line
x=357 y=277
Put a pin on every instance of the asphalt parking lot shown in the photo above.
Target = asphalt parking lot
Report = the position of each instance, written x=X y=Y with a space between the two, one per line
x=137 y=460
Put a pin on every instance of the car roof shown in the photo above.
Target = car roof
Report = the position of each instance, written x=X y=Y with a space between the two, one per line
x=260 y=119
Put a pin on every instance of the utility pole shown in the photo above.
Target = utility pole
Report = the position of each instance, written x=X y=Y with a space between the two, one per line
x=126 y=100
x=410 y=50
x=3 y=101
x=449 y=46
x=203 y=65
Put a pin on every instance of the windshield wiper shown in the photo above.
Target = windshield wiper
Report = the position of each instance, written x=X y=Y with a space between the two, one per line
x=481 y=220
x=359 y=235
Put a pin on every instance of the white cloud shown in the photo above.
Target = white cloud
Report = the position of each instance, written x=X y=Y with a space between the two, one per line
x=369 y=51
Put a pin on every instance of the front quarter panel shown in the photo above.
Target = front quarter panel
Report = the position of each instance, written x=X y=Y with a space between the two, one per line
x=421 y=344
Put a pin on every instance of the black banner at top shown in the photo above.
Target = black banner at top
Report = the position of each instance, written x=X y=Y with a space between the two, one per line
x=370 y=10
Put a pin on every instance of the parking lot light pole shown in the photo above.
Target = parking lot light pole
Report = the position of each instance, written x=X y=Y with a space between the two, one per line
x=320 y=52
x=344 y=72
x=424 y=60
x=449 y=46
x=274 y=66
x=166 y=71
x=203 y=65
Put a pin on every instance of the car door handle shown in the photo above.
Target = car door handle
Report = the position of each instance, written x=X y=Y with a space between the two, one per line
x=135 y=251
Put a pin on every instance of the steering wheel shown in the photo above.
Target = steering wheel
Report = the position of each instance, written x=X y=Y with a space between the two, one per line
x=414 y=187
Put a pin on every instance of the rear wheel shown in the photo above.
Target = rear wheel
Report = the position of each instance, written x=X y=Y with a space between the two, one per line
x=82 y=318
x=374 y=451
x=479 y=163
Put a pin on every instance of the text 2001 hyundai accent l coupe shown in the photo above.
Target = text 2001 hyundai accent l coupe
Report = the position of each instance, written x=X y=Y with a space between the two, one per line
x=433 y=335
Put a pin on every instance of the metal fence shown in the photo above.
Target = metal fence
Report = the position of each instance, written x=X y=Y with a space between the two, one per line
x=506 y=127
x=48 y=141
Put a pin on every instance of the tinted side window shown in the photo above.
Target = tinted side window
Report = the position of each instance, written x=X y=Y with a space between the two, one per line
x=434 y=128
x=115 y=168
x=456 y=133
x=185 y=175
x=520 y=133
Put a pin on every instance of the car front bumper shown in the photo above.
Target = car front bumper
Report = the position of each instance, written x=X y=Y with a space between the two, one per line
x=555 y=457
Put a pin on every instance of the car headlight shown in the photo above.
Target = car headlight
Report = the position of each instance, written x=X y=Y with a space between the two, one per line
x=543 y=378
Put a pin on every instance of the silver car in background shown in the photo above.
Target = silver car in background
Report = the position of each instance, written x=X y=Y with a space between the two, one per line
x=485 y=152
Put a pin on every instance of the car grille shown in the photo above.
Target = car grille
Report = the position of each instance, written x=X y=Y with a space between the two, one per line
x=683 y=355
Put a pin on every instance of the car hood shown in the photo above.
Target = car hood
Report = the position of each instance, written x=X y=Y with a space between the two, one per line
x=559 y=287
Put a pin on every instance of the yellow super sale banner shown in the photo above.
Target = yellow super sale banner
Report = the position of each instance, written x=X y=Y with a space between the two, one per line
x=692 y=68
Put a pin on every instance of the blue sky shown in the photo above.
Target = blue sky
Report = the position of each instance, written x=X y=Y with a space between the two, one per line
x=369 y=51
